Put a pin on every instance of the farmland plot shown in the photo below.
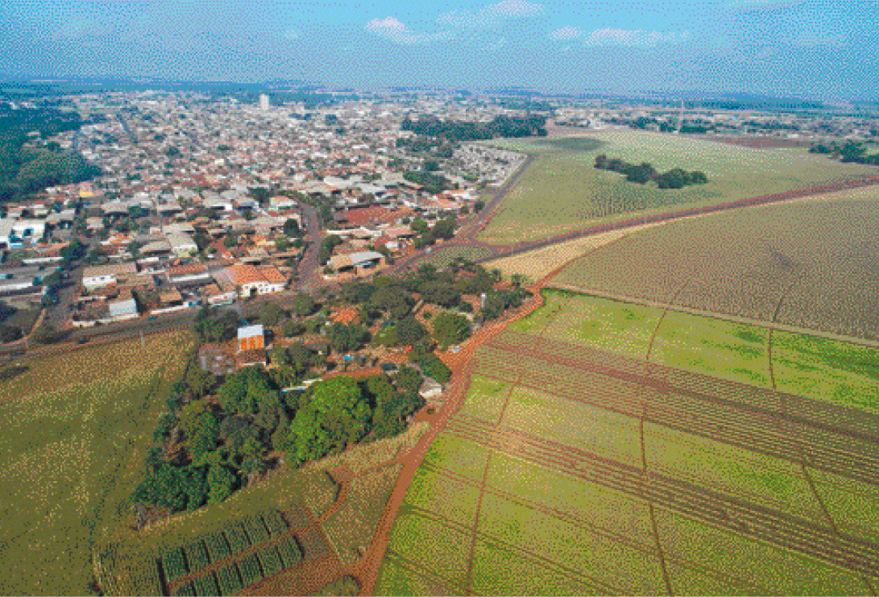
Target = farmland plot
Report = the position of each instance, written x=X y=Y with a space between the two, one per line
x=808 y=264
x=561 y=191
x=64 y=476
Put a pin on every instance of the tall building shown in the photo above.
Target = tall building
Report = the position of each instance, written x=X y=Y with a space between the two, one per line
x=264 y=102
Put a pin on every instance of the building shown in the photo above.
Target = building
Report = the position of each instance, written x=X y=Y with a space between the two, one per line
x=251 y=347
x=356 y=264
x=251 y=337
x=253 y=280
x=264 y=102
x=182 y=244
x=103 y=275
x=14 y=231
x=123 y=308
x=190 y=274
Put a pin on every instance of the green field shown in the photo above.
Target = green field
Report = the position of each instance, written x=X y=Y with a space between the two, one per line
x=562 y=191
x=585 y=490
x=718 y=348
x=72 y=450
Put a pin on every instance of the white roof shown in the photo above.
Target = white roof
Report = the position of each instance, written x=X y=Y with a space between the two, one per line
x=250 y=331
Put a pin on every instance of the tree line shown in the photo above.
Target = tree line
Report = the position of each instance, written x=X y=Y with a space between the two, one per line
x=27 y=170
x=644 y=172
x=456 y=130
x=850 y=151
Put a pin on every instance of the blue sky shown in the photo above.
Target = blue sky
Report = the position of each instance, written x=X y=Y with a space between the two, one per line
x=820 y=49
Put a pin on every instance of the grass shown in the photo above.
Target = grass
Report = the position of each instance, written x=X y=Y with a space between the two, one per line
x=604 y=324
x=485 y=399
x=72 y=447
x=827 y=370
x=718 y=348
x=586 y=427
x=352 y=527
x=396 y=578
x=562 y=191
x=771 y=569
x=500 y=571
x=443 y=256
x=692 y=580
x=756 y=478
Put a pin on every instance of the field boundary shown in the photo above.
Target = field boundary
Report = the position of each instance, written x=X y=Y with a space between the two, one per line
x=761 y=323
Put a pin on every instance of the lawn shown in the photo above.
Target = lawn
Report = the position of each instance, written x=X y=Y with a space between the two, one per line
x=827 y=370
x=562 y=191
x=72 y=450
x=721 y=349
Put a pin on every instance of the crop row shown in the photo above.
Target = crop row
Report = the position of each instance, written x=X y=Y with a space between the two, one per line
x=247 y=571
x=763 y=523
x=215 y=547
x=692 y=400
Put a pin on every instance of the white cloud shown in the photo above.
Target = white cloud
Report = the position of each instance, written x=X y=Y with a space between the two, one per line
x=566 y=33
x=392 y=30
x=492 y=15
x=633 y=38
x=292 y=34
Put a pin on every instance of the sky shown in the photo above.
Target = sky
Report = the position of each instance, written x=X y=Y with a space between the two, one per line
x=817 y=49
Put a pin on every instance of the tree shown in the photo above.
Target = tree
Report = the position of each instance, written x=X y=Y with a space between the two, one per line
x=221 y=483
x=408 y=379
x=334 y=416
x=347 y=338
x=246 y=391
x=433 y=367
x=271 y=314
x=445 y=228
x=292 y=327
x=450 y=328
x=409 y=331
x=292 y=228
x=303 y=305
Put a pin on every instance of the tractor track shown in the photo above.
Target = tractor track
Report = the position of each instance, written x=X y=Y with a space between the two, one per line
x=784 y=530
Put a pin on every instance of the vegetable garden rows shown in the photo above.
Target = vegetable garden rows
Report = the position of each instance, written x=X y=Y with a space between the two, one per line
x=241 y=554
x=762 y=523
x=701 y=413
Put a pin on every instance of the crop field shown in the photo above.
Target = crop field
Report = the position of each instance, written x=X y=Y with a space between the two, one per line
x=806 y=265
x=561 y=191
x=72 y=444
x=443 y=256
x=666 y=466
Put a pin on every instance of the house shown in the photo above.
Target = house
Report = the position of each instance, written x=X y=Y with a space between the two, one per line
x=430 y=390
x=13 y=231
x=253 y=280
x=356 y=264
x=251 y=347
x=123 y=308
x=182 y=244
x=216 y=296
x=103 y=275
x=251 y=337
x=190 y=274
